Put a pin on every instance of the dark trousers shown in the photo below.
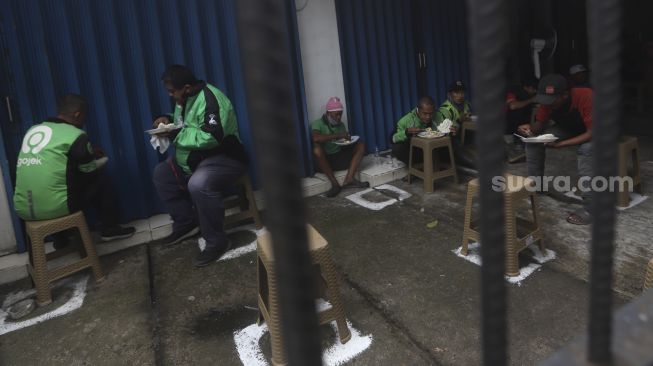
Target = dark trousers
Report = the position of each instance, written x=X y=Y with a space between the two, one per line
x=90 y=191
x=461 y=155
x=198 y=197
x=401 y=151
x=536 y=156
x=94 y=191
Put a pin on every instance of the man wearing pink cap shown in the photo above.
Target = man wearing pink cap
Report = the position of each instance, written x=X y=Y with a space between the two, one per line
x=330 y=156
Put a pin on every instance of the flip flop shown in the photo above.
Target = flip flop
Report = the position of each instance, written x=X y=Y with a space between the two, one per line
x=577 y=219
x=356 y=184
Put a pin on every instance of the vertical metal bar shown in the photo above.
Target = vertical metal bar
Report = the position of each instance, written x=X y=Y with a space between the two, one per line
x=263 y=32
x=604 y=18
x=488 y=23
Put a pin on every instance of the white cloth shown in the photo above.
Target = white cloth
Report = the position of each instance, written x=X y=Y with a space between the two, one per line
x=445 y=126
x=100 y=162
x=160 y=143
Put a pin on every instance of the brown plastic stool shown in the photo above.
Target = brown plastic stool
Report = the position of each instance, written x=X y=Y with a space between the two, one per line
x=520 y=233
x=467 y=126
x=648 y=280
x=268 y=298
x=246 y=201
x=431 y=168
x=38 y=268
x=629 y=153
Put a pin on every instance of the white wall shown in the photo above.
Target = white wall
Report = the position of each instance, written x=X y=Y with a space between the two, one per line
x=7 y=237
x=320 y=48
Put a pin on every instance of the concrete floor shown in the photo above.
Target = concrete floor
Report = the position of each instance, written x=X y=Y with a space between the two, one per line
x=400 y=282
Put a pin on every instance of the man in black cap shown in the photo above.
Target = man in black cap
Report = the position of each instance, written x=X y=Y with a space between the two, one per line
x=571 y=109
x=455 y=108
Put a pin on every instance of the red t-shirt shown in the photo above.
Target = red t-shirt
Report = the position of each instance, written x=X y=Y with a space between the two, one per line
x=581 y=102
x=510 y=97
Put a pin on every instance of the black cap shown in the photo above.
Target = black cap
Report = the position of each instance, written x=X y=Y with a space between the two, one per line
x=456 y=86
x=550 y=88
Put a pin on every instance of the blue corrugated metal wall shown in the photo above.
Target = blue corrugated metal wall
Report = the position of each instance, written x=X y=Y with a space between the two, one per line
x=379 y=58
x=376 y=42
x=444 y=25
x=113 y=52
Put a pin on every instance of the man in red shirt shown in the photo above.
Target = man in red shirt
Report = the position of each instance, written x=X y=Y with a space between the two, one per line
x=566 y=113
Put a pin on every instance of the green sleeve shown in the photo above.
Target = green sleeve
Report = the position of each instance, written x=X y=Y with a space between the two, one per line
x=402 y=125
x=317 y=126
x=444 y=113
x=207 y=128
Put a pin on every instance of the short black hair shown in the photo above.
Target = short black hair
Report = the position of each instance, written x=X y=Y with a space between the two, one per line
x=178 y=76
x=425 y=101
x=531 y=81
x=69 y=104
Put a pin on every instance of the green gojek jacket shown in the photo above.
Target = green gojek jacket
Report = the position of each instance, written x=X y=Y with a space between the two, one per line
x=409 y=120
x=209 y=128
x=448 y=111
x=52 y=157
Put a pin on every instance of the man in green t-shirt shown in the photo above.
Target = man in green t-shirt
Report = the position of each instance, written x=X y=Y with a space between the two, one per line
x=329 y=155
x=58 y=173
x=209 y=158
x=410 y=125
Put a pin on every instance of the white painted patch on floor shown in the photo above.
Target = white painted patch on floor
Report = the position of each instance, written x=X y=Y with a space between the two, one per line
x=240 y=251
x=247 y=345
x=523 y=273
x=572 y=195
x=75 y=302
x=358 y=198
x=540 y=257
x=473 y=253
x=474 y=256
x=249 y=350
x=635 y=199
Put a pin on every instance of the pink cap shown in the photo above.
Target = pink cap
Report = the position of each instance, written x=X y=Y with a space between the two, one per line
x=334 y=105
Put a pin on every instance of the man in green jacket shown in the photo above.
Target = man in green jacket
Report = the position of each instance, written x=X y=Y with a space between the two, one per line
x=209 y=158
x=410 y=125
x=57 y=173
x=330 y=156
x=455 y=108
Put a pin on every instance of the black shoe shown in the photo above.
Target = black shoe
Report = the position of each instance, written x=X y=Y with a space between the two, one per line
x=209 y=255
x=178 y=236
x=117 y=232
x=335 y=189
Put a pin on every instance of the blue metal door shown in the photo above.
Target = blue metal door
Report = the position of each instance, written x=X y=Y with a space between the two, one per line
x=378 y=59
x=394 y=51
x=443 y=32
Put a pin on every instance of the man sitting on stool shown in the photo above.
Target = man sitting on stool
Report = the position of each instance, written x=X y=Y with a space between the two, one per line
x=329 y=156
x=58 y=173
x=410 y=125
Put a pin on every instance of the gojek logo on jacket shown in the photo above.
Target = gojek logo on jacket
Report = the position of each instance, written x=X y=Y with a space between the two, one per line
x=34 y=142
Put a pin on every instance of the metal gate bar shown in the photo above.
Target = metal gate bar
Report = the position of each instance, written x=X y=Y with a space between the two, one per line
x=488 y=22
x=266 y=57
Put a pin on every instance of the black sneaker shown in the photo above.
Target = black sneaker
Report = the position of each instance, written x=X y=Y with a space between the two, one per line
x=208 y=255
x=178 y=236
x=117 y=232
